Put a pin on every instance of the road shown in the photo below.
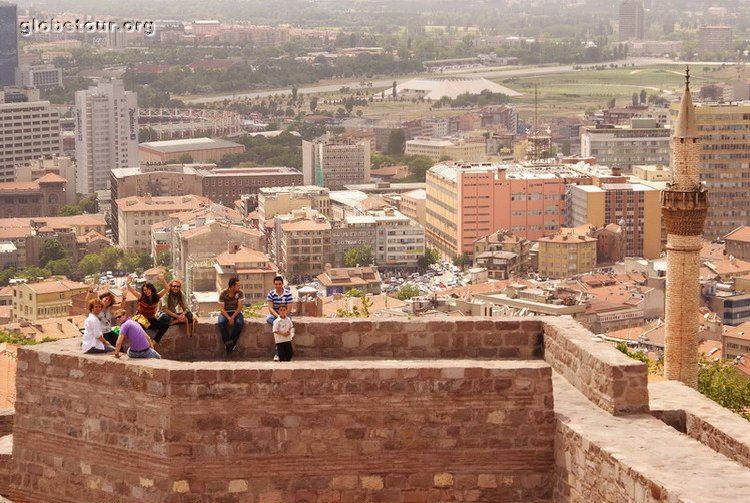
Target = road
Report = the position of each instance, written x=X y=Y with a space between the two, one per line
x=497 y=72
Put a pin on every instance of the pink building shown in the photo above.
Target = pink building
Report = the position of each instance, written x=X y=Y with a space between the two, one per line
x=467 y=202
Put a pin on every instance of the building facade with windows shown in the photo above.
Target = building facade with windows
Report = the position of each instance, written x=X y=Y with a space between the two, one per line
x=28 y=130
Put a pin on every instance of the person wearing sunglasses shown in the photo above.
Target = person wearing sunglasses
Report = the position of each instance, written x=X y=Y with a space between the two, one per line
x=174 y=308
x=138 y=340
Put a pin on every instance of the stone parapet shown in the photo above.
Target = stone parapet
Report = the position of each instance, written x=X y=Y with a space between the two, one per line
x=635 y=459
x=610 y=379
x=471 y=337
x=95 y=429
x=702 y=419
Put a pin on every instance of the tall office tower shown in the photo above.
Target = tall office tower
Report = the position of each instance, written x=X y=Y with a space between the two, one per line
x=8 y=44
x=334 y=163
x=28 y=130
x=631 y=20
x=724 y=132
x=684 y=205
x=106 y=134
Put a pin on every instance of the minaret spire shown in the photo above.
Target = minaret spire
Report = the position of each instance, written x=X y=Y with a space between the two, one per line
x=684 y=204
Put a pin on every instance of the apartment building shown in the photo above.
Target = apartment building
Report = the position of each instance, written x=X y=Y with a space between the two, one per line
x=413 y=205
x=45 y=299
x=631 y=20
x=738 y=243
x=341 y=280
x=106 y=123
x=334 y=163
x=274 y=200
x=566 y=254
x=643 y=142
x=399 y=241
x=635 y=207
x=194 y=244
x=28 y=130
x=40 y=76
x=724 y=130
x=303 y=244
x=252 y=267
x=454 y=149
x=62 y=166
x=41 y=198
x=137 y=214
x=714 y=39
x=468 y=201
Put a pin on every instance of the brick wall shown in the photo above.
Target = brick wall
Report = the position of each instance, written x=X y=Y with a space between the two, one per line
x=474 y=337
x=610 y=379
x=95 y=429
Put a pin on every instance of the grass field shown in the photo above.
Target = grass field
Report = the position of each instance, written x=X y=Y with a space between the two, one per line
x=570 y=94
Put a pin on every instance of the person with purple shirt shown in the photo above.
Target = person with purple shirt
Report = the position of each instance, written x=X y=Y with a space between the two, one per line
x=138 y=340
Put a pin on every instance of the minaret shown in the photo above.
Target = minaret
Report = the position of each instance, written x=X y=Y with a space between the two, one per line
x=683 y=205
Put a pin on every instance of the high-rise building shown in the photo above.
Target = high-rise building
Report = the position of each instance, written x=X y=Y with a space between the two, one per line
x=8 y=44
x=40 y=76
x=28 y=130
x=724 y=132
x=467 y=202
x=334 y=163
x=106 y=133
x=631 y=20
x=632 y=206
x=684 y=205
x=714 y=38
x=622 y=147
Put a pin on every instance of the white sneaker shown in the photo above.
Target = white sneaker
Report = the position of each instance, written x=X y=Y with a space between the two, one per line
x=276 y=358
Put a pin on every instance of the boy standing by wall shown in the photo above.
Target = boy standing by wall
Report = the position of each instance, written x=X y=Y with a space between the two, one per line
x=283 y=333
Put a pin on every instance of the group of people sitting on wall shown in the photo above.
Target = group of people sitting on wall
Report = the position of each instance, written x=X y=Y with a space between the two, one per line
x=108 y=325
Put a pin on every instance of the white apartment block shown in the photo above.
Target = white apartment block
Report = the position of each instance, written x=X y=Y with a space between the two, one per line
x=40 y=76
x=136 y=216
x=106 y=134
x=335 y=163
x=28 y=130
x=274 y=201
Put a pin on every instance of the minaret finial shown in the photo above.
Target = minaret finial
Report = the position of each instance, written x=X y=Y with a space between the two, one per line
x=687 y=77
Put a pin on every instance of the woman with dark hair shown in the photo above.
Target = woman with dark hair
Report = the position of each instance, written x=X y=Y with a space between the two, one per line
x=148 y=304
x=106 y=317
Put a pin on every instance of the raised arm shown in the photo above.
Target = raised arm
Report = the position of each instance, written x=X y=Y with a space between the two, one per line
x=129 y=288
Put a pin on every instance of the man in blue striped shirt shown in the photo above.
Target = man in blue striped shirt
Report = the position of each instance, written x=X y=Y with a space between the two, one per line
x=275 y=298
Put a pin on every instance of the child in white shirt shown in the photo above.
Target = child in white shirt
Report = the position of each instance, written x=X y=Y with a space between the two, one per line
x=283 y=333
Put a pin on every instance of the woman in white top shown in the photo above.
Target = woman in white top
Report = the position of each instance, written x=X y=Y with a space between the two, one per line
x=106 y=317
x=93 y=338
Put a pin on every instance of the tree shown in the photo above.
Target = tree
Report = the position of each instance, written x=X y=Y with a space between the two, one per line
x=147 y=133
x=612 y=103
x=109 y=258
x=294 y=93
x=407 y=292
x=354 y=257
x=164 y=259
x=185 y=159
x=393 y=89
x=431 y=256
x=462 y=260
x=635 y=99
x=136 y=261
x=51 y=250
x=723 y=383
x=396 y=142
x=6 y=275
x=90 y=264
x=60 y=267
x=313 y=103
x=418 y=166
x=358 y=311
x=69 y=210
x=34 y=272
x=643 y=96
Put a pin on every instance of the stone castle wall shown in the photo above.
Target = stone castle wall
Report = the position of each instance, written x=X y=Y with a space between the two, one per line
x=522 y=410
x=95 y=429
